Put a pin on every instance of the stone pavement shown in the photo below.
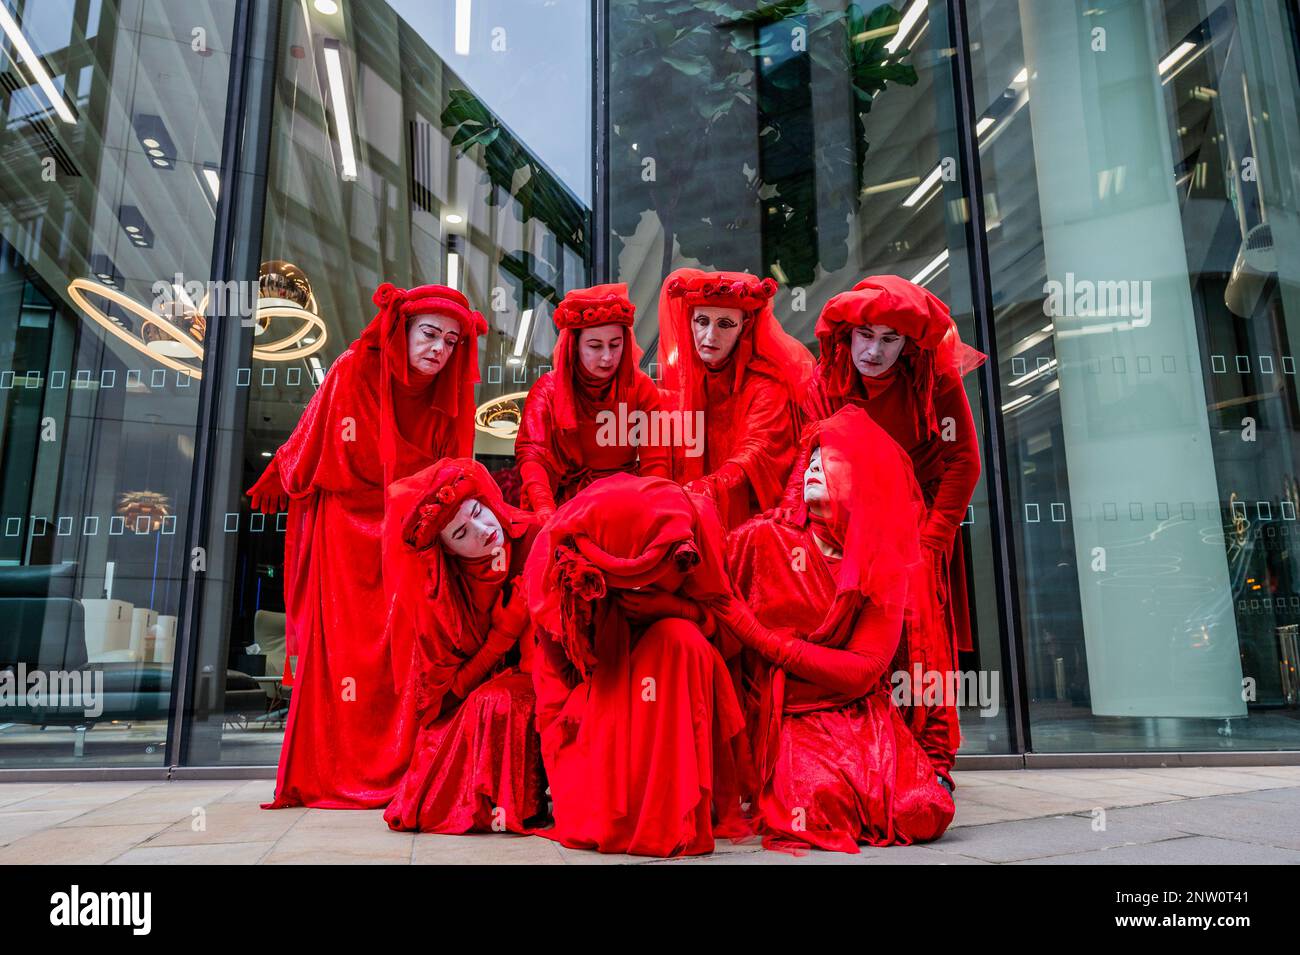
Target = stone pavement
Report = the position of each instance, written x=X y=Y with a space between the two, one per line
x=1076 y=816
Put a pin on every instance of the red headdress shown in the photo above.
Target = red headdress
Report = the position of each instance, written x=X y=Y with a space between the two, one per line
x=450 y=393
x=934 y=349
x=621 y=532
x=764 y=347
x=425 y=503
x=591 y=308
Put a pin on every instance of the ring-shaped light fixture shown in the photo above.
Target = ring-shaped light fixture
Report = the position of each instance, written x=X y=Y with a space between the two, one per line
x=78 y=289
x=485 y=412
x=283 y=349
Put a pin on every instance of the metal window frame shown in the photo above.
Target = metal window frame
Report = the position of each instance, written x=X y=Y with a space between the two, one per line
x=223 y=411
x=1009 y=611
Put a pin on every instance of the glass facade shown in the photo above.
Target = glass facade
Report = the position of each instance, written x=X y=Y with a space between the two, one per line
x=197 y=200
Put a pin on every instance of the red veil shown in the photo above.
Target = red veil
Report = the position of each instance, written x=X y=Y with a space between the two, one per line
x=764 y=346
x=590 y=308
x=447 y=599
x=451 y=392
x=934 y=349
x=875 y=507
x=873 y=515
x=751 y=402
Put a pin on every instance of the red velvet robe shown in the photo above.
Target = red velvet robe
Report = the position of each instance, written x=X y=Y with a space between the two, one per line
x=350 y=727
x=837 y=764
x=573 y=458
x=947 y=472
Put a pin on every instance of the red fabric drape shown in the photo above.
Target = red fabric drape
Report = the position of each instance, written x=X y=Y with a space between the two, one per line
x=560 y=447
x=837 y=764
x=749 y=405
x=476 y=764
x=642 y=734
x=350 y=724
x=922 y=404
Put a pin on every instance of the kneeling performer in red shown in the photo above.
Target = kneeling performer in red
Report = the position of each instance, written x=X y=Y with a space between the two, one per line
x=829 y=586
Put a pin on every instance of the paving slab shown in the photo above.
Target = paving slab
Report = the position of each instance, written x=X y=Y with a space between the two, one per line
x=1188 y=850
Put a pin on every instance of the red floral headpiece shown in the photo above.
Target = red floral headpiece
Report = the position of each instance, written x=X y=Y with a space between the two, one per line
x=749 y=293
x=598 y=305
x=431 y=300
x=435 y=512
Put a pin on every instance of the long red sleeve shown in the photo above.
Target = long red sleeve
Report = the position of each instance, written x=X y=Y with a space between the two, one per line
x=953 y=469
x=852 y=671
x=472 y=672
x=653 y=459
x=335 y=444
x=763 y=447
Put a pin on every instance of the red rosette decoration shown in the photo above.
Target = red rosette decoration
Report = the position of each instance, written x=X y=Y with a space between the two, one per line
x=385 y=295
x=579 y=582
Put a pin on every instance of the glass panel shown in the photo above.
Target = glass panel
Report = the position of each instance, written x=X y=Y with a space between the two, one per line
x=112 y=113
x=1144 y=265
x=372 y=179
x=816 y=148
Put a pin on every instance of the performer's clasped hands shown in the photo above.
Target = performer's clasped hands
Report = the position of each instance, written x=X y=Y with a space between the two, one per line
x=686 y=628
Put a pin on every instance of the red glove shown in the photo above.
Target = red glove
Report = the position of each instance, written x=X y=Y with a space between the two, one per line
x=702 y=486
x=656 y=604
x=537 y=489
x=268 y=494
x=843 y=671
x=511 y=619
x=937 y=561
x=474 y=670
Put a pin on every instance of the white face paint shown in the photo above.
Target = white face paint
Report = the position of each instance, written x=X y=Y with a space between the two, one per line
x=600 y=350
x=474 y=532
x=814 y=480
x=716 y=330
x=875 y=349
x=429 y=342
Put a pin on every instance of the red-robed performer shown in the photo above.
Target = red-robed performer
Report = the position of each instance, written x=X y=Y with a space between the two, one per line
x=730 y=366
x=580 y=418
x=891 y=348
x=829 y=585
x=399 y=399
x=642 y=733
x=457 y=562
